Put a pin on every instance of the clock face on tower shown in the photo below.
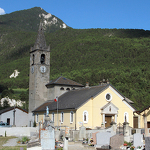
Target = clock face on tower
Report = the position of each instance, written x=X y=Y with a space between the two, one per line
x=43 y=69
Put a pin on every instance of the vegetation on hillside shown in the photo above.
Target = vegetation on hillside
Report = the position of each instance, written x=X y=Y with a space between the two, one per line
x=84 y=55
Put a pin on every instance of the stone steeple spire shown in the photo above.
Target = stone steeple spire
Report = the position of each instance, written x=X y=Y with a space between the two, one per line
x=40 y=42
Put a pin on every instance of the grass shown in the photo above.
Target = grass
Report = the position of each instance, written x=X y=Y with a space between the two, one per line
x=3 y=140
x=18 y=91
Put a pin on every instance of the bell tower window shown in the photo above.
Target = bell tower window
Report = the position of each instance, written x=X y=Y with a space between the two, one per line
x=33 y=59
x=42 y=58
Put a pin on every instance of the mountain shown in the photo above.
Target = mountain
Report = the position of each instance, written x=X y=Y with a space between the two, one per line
x=28 y=20
x=83 y=55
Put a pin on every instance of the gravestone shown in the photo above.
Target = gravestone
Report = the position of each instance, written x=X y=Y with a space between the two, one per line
x=103 y=139
x=116 y=141
x=147 y=143
x=82 y=133
x=47 y=133
x=94 y=137
x=137 y=140
x=47 y=139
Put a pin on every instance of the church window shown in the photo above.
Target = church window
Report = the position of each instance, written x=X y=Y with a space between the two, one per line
x=37 y=118
x=62 y=117
x=61 y=88
x=42 y=58
x=33 y=59
x=108 y=97
x=53 y=115
x=71 y=117
x=68 y=89
x=85 y=117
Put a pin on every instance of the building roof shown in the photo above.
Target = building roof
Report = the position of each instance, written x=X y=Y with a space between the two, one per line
x=11 y=108
x=75 y=98
x=63 y=81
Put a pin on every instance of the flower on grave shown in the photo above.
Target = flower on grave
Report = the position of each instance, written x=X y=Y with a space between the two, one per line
x=139 y=147
x=132 y=148
x=125 y=144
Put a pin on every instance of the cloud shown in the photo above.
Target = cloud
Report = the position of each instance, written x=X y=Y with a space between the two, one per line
x=2 y=12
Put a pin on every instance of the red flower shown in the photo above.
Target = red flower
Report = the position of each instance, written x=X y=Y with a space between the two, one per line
x=125 y=144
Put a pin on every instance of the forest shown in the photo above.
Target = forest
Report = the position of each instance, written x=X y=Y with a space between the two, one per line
x=83 y=55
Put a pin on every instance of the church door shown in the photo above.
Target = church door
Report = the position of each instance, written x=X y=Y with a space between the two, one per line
x=107 y=121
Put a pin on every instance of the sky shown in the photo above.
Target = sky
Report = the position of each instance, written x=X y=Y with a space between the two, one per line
x=83 y=14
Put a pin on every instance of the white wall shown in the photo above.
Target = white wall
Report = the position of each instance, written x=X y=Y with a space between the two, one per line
x=21 y=118
x=18 y=131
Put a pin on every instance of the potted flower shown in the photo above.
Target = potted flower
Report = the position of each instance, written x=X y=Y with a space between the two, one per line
x=132 y=147
x=139 y=147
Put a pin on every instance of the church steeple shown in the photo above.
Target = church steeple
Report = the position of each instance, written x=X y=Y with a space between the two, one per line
x=40 y=42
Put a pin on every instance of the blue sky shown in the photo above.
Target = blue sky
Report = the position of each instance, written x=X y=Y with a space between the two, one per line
x=82 y=14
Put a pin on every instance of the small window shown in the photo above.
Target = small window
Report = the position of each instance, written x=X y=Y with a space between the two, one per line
x=61 y=88
x=62 y=117
x=108 y=97
x=42 y=58
x=85 y=117
x=37 y=118
x=68 y=89
x=71 y=117
x=53 y=115
x=33 y=59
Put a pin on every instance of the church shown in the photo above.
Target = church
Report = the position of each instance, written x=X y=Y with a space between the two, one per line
x=70 y=103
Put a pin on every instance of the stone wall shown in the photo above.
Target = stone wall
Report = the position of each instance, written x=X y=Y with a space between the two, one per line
x=18 y=131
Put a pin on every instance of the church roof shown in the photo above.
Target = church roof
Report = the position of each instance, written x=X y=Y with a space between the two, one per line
x=40 y=42
x=76 y=98
x=63 y=81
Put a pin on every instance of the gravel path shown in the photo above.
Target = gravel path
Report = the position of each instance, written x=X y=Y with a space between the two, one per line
x=11 y=142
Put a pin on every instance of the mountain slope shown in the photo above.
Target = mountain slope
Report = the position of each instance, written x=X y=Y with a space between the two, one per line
x=28 y=20
x=87 y=55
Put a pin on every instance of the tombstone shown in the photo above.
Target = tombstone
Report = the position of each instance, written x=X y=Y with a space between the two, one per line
x=147 y=143
x=66 y=138
x=116 y=141
x=94 y=137
x=126 y=131
x=82 y=133
x=47 y=134
x=47 y=139
x=137 y=140
x=103 y=139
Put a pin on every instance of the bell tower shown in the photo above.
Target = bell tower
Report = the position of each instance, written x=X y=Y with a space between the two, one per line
x=39 y=71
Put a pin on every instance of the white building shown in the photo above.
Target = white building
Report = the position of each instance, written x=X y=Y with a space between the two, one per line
x=18 y=118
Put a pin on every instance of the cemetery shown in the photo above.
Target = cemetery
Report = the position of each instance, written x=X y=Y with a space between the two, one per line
x=114 y=137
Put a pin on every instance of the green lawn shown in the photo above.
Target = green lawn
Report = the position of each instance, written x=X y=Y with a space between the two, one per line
x=18 y=91
x=3 y=140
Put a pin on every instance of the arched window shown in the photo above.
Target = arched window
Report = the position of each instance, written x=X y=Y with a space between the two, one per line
x=62 y=117
x=61 y=88
x=42 y=58
x=71 y=117
x=85 y=117
x=126 y=117
x=53 y=115
x=37 y=118
x=33 y=59
x=68 y=89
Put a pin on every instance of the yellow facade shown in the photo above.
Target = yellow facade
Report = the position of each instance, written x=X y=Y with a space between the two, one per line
x=144 y=117
x=96 y=109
